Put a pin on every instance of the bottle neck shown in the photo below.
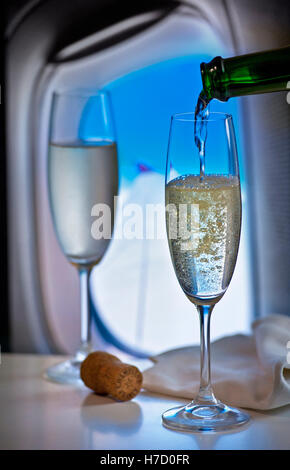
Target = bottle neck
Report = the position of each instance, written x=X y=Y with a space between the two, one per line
x=261 y=72
x=213 y=82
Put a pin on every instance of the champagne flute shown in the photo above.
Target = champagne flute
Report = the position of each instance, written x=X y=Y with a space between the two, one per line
x=203 y=218
x=82 y=172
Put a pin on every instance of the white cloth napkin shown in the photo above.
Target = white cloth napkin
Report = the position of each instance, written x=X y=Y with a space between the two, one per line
x=247 y=371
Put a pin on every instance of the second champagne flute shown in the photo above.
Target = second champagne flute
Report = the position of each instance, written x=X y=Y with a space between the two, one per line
x=82 y=172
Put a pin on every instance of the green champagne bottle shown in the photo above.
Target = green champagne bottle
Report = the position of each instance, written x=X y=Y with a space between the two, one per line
x=249 y=74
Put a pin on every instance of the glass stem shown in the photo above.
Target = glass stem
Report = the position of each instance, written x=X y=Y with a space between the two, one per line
x=85 y=346
x=205 y=395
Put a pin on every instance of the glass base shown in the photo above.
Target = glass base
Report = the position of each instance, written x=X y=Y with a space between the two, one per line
x=68 y=372
x=204 y=418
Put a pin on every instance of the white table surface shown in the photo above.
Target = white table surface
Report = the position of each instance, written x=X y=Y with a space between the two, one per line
x=37 y=414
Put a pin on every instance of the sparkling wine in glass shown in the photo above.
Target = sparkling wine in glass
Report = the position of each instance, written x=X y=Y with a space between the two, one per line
x=82 y=172
x=203 y=218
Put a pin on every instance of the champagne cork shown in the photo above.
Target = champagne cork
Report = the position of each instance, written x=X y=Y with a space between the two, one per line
x=107 y=375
